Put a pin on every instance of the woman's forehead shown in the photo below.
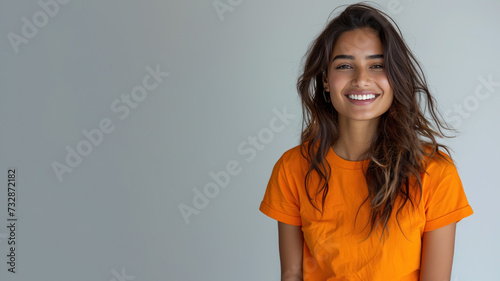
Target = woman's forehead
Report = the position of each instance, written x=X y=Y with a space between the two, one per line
x=363 y=41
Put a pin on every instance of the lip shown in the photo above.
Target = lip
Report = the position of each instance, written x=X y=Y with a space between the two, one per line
x=362 y=102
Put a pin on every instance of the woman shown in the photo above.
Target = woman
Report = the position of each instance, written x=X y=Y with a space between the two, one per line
x=367 y=195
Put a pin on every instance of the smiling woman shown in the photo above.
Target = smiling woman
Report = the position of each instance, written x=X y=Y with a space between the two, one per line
x=356 y=80
x=369 y=194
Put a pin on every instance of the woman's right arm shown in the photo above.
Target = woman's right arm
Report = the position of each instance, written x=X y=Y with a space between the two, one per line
x=290 y=244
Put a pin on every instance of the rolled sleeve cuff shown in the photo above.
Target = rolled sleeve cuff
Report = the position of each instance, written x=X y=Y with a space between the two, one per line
x=452 y=217
x=268 y=211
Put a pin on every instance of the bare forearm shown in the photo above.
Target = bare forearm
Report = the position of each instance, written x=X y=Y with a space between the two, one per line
x=290 y=244
x=437 y=254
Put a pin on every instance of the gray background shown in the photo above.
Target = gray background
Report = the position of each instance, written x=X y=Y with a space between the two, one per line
x=116 y=216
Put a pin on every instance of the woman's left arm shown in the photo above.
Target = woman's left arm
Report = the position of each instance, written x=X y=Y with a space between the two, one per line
x=437 y=253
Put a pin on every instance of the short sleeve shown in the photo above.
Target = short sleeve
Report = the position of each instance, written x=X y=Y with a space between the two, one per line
x=281 y=198
x=446 y=200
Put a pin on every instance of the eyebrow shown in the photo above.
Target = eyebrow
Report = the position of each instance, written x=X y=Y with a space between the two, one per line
x=347 y=57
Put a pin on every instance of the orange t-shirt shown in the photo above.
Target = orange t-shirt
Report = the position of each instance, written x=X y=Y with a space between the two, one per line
x=334 y=245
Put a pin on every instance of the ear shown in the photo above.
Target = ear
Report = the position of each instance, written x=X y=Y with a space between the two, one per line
x=325 y=82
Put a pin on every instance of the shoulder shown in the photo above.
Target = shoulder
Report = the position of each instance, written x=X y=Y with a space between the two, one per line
x=438 y=163
x=440 y=173
x=294 y=154
x=295 y=157
x=292 y=162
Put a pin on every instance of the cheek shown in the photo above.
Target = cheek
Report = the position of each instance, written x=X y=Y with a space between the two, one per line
x=382 y=81
x=390 y=94
x=389 y=100
x=385 y=86
x=337 y=82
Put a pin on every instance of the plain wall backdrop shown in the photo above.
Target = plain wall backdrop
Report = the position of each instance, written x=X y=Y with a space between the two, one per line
x=118 y=114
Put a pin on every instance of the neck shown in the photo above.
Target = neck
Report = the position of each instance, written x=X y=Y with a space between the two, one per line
x=355 y=138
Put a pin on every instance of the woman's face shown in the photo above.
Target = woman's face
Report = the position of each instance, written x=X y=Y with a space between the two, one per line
x=356 y=79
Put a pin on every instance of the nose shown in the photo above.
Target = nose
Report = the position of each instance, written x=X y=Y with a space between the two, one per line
x=361 y=78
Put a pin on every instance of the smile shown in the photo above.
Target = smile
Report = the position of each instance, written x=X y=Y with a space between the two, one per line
x=362 y=97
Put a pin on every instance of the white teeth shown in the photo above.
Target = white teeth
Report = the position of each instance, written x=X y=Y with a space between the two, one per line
x=362 y=97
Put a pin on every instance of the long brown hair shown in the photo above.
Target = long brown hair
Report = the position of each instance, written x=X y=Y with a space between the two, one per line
x=404 y=136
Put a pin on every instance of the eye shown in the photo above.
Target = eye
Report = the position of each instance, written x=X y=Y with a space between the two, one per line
x=343 y=66
x=378 y=66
